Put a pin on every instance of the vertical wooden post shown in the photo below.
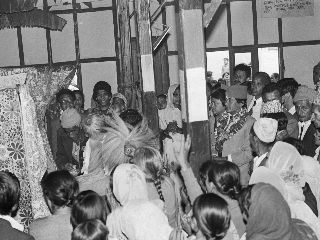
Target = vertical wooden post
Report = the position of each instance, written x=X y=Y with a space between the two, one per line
x=149 y=100
x=126 y=76
x=193 y=80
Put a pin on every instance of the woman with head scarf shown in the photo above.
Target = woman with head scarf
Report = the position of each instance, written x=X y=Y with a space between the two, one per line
x=119 y=103
x=267 y=215
x=284 y=170
x=137 y=218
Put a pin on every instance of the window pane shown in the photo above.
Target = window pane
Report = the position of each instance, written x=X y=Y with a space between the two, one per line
x=218 y=65
x=242 y=58
x=269 y=60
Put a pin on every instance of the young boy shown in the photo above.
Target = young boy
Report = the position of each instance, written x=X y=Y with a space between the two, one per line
x=161 y=101
x=10 y=229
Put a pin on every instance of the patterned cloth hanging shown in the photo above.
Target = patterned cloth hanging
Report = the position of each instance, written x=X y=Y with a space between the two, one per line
x=11 y=6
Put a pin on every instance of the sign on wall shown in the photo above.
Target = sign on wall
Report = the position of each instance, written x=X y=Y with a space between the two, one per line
x=287 y=8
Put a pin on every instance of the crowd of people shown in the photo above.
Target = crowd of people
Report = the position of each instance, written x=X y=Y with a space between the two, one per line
x=116 y=179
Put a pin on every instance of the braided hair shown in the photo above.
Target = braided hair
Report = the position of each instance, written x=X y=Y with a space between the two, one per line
x=150 y=161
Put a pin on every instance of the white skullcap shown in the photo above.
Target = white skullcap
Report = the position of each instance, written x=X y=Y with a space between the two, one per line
x=266 y=129
x=70 y=118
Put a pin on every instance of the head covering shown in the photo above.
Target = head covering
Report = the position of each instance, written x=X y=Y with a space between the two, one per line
x=305 y=93
x=266 y=129
x=129 y=183
x=237 y=91
x=171 y=90
x=273 y=106
x=101 y=85
x=70 y=118
x=145 y=221
x=121 y=96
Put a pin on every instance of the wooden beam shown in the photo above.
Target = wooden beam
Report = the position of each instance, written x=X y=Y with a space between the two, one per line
x=125 y=55
x=210 y=12
x=143 y=33
x=193 y=80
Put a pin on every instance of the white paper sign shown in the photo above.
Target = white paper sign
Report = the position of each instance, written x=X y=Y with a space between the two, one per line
x=286 y=8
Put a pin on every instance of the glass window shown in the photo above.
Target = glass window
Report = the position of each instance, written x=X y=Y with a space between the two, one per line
x=269 y=60
x=218 y=66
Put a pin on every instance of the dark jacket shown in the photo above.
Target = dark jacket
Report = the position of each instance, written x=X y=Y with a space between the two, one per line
x=64 y=151
x=7 y=232
x=309 y=141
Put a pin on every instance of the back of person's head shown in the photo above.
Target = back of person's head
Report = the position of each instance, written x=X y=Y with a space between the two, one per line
x=270 y=88
x=65 y=91
x=60 y=187
x=150 y=161
x=220 y=94
x=101 y=85
x=265 y=78
x=244 y=68
x=132 y=117
x=9 y=193
x=288 y=85
x=212 y=216
x=90 y=230
x=280 y=117
x=225 y=176
x=244 y=201
x=88 y=205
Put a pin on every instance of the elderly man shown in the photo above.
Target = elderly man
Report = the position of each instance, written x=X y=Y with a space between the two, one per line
x=71 y=142
x=262 y=139
x=303 y=101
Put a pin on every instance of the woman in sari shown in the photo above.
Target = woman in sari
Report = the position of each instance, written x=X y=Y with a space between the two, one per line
x=267 y=215
x=284 y=170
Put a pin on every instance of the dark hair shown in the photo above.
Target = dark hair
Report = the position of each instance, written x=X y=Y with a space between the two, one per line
x=244 y=68
x=225 y=176
x=220 y=94
x=244 y=201
x=101 y=85
x=288 y=85
x=80 y=93
x=242 y=101
x=88 y=205
x=9 y=192
x=298 y=144
x=90 y=230
x=269 y=88
x=163 y=96
x=265 y=78
x=212 y=216
x=280 y=117
x=131 y=116
x=65 y=91
x=60 y=187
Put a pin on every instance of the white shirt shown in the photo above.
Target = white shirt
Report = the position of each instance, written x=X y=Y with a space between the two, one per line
x=292 y=110
x=304 y=126
x=317 y=151
x=13 y=222
x=255 y=105
x=257 y=160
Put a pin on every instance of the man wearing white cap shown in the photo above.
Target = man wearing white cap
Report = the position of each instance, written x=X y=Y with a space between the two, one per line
x=262 y=138
x=71 y=142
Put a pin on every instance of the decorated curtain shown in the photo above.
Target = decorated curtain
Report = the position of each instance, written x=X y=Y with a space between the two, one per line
x=24 y=148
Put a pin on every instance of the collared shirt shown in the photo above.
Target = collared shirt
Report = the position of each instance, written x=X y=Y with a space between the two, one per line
x=303 y=127
x=292 y=110
x=13 y=222
x=257 y=160
x=255 y=106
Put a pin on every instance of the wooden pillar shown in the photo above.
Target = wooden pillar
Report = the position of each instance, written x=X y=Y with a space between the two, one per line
x=192 y=79
x=125 y=55
x=149 y=100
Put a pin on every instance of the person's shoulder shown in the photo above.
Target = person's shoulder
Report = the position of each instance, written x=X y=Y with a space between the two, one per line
x=39 y=223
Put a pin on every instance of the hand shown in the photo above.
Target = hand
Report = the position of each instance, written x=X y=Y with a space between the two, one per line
x=177 y=234
x=182 y=156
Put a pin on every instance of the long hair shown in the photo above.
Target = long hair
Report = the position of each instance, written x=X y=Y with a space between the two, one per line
x=88 y=205
x=225 y=176
x=245 y=202
x=150 y=161
x=212 y=216
x=60 y=187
